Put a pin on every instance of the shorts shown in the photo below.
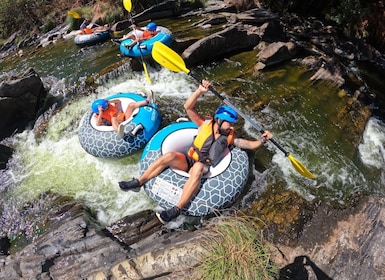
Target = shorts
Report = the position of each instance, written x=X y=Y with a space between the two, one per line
x=120 y=116
x=190 y=163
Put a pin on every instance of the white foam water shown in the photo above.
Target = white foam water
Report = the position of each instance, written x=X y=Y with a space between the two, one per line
x=372 y=148
x=55 y=161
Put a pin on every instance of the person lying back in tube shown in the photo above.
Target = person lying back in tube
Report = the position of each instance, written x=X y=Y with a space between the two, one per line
x=110 y=112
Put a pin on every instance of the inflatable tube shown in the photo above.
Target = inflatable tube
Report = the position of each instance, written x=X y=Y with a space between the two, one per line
x=220 y=186
x=104 y=142
x=145 y=47
x=91 y=39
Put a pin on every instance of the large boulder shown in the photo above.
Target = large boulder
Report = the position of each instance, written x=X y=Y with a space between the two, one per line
x=229 y=40
x=234 y=38
x=276 y=53
x=5 y=154
x=20 y=100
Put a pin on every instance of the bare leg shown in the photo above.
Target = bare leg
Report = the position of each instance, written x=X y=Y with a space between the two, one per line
x=132 y=106
x=170 y=159
x=115 y=123
x=189 y=190
x=192 y=185
x=133 y=43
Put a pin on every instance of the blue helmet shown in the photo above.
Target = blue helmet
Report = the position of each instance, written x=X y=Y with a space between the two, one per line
x=151 y=26
x=97 y=103
x=226 y=113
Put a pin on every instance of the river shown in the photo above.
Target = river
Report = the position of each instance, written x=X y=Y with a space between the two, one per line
x=302 y=115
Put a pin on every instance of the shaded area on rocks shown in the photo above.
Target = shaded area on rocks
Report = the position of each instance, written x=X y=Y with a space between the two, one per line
x=21 y=99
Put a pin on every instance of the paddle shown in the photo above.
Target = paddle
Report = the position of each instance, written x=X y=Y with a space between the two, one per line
x=172 y=61
x=73 y=14
x=128 y=5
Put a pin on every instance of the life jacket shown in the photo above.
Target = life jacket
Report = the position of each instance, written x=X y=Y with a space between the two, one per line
x=87 y=30
x=147 y=34
x=111 y=112
x=207 y=149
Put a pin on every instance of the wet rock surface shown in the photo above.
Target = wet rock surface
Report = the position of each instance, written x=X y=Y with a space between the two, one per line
x=343 y=244
x=334 y=244
x=20 y=101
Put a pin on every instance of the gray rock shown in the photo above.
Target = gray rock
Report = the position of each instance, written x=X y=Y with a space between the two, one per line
x=231 y=39
x=70 y=249
x=343 y=244
x=275 y=53
x=20 y=100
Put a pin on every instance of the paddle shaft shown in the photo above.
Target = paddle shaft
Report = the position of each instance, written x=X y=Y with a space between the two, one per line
x=140 y=50
x=253 y=123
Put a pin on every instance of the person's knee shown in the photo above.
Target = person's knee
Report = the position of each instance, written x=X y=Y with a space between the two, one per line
x=176 y=160
x=170 y=156
x=131 y=106
x=197 y=169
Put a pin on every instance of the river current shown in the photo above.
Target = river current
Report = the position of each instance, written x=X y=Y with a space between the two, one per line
x=301 y=114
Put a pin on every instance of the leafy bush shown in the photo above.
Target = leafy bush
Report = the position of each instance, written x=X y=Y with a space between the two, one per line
x=27 y=15
x=349 y=15
x=237 y=251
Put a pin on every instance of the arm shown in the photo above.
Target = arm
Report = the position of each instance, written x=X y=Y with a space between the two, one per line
x=190 y=103
x=114 y=102
x=99 y=118
x=252 y=144
x=136 y=27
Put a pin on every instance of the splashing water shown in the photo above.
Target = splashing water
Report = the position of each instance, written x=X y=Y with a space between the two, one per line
x=57 y=162
x=372 y=148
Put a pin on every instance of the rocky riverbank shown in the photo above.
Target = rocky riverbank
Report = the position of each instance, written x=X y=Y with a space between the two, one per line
x=335 y=244
x=313 y=239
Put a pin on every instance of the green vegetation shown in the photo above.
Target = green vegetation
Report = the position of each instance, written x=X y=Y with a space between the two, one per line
x=349 y=15
x=237 y=250
x=28 y=15
x=41 y=16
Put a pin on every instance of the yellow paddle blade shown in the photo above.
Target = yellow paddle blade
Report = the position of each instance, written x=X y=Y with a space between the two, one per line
x=300 y=168
x=73 y=14
x=168 y=58
x=146 y=73
x=127 y=5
